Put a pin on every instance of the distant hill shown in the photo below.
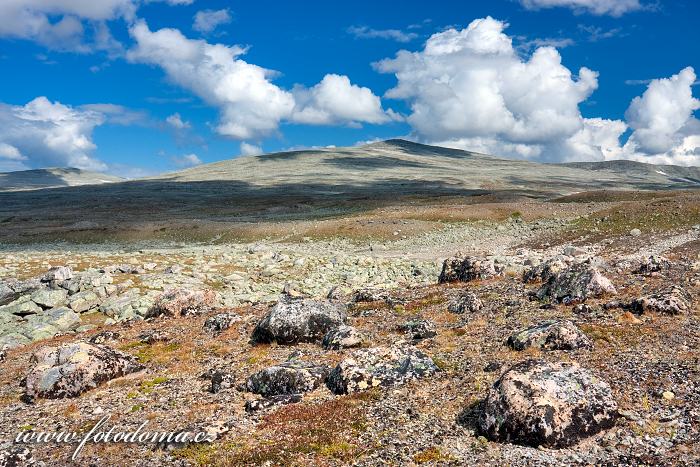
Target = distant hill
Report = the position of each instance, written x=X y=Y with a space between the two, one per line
x=52 y=178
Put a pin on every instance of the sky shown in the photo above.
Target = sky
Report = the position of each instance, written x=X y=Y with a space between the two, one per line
x=140 y=87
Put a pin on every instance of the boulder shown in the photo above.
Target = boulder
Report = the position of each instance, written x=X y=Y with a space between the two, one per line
x=272 y=401
x=418 y=329
x=84 y=301
x=467 y=302
x=23 y=306
x=182 y=302
x=58 y=274
x=673 y=300
x=575 y=284
x=547 y=404
x=7 y=293
x=299 y=320
x=342 y=337
x=551 y=335
x=71 y=369
x=652 y=264
x=129 y=305
x=544 y=271
x=13 y=339
x=292 y=377
x=468 y=268
x=219 y=323
x=380 y=366
x=50 y=298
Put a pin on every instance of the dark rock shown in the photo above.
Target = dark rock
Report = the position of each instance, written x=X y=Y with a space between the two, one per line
x=182 y=302
x=468 y=268
x=261 y=404
x=16 y=456
x=342 y=337
x=71 y=369
x=380 y=366
x=576 y=284
x=551 y=335
x=673 y=300
x=492 y=366
x=292 y=377
x=550 y=404
x=419 y=329
x=468 y=302
x=219 y=323
x=299 y=320
x=544 y=271
x=652 y=264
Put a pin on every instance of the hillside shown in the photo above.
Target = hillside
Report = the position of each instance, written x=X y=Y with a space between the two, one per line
x=52 y=178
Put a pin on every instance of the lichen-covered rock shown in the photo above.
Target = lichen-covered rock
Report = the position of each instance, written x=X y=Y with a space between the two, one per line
x=50 y=298
x=7 y=293
x=467 y=302
x=182 y=302
x=419 y=329
x=380 y=366
x=104 y=336
x=292 y=377
x=299 y=320
x=342 y=337
x=544 y=271
x=23 y=306
x=58 y=274
x=547 y=404
x=673 y=300
x=128 y=305
x=84 y=301
x=652 y=264
x=220 y=322
x=551 y=335
x=71 y=369
x=576 y=284
x=468 y=268
x=13 y=339
x=272 y=401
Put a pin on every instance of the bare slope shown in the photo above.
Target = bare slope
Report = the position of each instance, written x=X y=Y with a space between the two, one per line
x=52 y=178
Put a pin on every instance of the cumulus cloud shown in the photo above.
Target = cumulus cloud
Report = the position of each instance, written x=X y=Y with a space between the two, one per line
x=335 y=100
x=177 y=122
x=58 y=24
x=596 y=7
x=250 y=104
x=206 y=21
x=664 y=128
x=364 y=32
x=188 y=160
x=248 y=149
x=44 y=133
x=471 y=87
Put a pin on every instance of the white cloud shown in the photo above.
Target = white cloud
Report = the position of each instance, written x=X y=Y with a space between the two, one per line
x=58 y=24
x=472 y=87
x=9 y=152
x=206 y=21
x=250 y=104
x=176 y=122
x=118 y=114
x=248 y=149
x=335 y=100
x=664 y=128
x=188 y=160
x=596 y=7
x=363 y=32
x=50 y=134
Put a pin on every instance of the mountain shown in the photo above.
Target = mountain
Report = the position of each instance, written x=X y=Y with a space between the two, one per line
x=52 y=178
x=413 y=167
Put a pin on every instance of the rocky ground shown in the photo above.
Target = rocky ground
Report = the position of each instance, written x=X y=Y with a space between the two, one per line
x=520 y=333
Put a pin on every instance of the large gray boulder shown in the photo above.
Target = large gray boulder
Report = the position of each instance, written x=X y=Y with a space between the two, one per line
x=547 y=404
x=50 y=298
x=468 y=302
x=380 y=366
x=84 y=301
x=23 y=306
x=468 y=268
x=58 y=274
x=293 y=320
x=575 y=284
x=71 y=369
x=342 y=337
x=673 y=300
x=292 y=377
x=551 y=335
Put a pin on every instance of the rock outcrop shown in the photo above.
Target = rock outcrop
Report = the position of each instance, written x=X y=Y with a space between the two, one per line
x=182 y=302
x=673 y=300
x=551 y=335
x=575 y=284
x=468 y=302
x=292 y=377
x=468 y=268
x=342 y=337
x=547 y=404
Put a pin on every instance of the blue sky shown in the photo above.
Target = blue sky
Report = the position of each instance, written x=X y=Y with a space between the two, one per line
x=122 y=96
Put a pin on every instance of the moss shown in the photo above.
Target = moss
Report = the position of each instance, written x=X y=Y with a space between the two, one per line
x=431 y=455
